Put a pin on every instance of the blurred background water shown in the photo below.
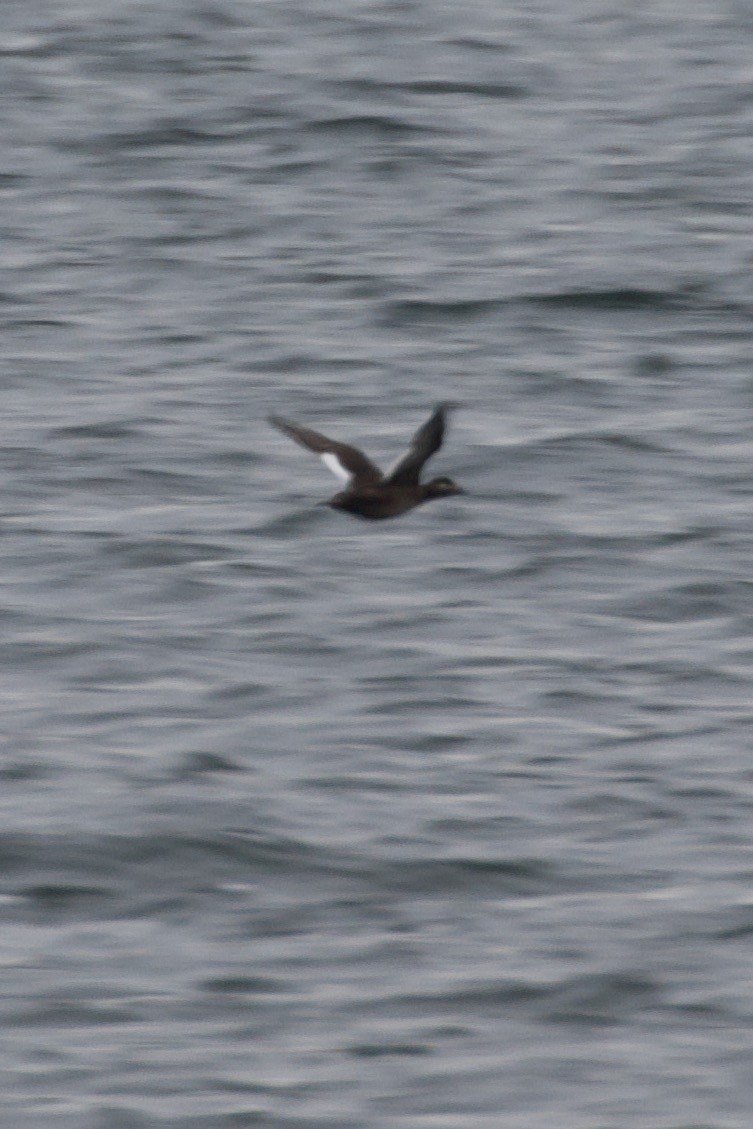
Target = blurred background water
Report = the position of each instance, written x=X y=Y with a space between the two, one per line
x=438 y=823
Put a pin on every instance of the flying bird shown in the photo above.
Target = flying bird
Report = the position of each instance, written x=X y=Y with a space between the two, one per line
x=369 y=493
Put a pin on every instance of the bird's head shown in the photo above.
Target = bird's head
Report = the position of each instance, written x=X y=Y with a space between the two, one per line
x=441 y=488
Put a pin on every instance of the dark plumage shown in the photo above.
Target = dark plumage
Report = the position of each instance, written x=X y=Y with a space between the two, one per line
x=369 y=493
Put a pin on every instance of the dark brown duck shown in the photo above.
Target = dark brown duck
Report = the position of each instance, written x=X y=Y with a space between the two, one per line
x=369 y=493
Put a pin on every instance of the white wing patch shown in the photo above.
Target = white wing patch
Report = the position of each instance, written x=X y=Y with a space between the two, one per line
x=332 y=463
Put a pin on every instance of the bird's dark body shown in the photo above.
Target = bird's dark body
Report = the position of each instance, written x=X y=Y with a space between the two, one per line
x=377 y=503
x=369 y=493
x=370 y=504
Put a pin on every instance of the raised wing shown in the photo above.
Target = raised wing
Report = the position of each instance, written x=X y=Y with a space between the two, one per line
x=426 y=441
x=346 y=462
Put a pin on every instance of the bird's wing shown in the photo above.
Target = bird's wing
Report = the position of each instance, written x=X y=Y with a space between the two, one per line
x=426 y=441
x=347 y=463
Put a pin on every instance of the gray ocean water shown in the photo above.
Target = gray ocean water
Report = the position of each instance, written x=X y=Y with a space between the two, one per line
x=440 y=823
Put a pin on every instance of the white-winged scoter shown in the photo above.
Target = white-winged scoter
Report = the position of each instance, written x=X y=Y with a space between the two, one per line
x=369 y=493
